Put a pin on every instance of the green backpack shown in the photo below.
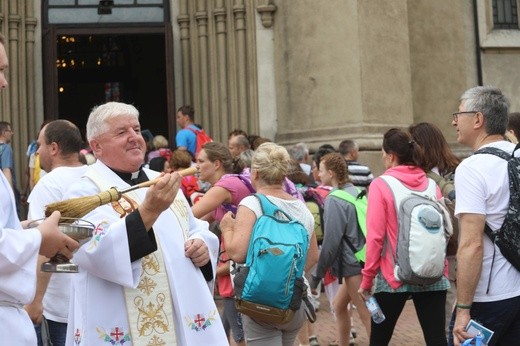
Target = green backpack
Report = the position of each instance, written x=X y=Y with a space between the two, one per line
x=360 y=203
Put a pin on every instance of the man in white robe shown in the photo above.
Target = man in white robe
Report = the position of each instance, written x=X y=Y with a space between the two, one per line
x=144 y=276
x=18 y=255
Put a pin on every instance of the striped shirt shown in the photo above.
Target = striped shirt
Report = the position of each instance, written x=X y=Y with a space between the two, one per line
x=360 y=175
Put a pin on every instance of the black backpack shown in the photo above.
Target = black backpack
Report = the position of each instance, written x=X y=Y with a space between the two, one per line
x=507 y=237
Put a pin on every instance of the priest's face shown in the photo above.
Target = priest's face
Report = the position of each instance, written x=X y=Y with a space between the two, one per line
x=121 y=147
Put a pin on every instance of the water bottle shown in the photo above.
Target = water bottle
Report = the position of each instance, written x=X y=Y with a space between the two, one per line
x=375 y=310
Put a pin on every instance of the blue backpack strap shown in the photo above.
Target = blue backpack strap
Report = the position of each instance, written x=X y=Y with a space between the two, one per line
x=268 y=208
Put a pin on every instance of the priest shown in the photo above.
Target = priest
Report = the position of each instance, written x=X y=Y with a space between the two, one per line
x=145 y=277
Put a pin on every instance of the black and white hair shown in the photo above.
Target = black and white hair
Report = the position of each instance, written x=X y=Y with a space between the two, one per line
x=492 y=103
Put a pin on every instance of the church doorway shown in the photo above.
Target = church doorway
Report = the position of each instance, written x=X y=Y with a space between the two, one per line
x=91 y=69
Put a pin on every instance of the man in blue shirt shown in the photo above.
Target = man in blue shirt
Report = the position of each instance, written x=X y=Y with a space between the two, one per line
x=186 y=139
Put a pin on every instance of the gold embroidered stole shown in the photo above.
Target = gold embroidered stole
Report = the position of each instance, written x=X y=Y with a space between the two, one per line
x=150 y=308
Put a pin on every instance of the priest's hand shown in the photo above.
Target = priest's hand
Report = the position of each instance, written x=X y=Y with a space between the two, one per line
x=197 y=251
x=159 y=197
x=53 y=240
x=25 y=223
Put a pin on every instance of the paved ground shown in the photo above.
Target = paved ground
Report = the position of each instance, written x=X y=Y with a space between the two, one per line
x=407 y=331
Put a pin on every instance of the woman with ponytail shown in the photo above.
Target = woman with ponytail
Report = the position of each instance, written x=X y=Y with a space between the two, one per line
x=218 y=167
x=402 y=157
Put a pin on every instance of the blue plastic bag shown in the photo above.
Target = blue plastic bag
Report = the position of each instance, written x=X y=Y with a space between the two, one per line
x=476 y=341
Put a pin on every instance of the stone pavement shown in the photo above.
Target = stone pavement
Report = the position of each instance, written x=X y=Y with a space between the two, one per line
x=407 y=331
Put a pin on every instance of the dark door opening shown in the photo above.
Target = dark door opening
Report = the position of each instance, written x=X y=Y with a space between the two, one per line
x=130 y=68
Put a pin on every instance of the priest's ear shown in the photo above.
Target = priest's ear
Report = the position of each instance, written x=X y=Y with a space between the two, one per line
x=95 y=146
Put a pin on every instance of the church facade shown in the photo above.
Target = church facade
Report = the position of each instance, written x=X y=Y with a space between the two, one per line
x=292 y=71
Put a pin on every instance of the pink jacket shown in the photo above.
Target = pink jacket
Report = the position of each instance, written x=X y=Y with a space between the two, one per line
x=382 y=220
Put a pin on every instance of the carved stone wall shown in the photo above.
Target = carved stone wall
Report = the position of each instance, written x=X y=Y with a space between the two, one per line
x=219 y=74
x=305 y=70
x=18 y=102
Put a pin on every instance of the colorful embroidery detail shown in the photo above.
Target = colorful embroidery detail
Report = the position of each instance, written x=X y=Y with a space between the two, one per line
x=101 y=228
x=116 y=336
x=124 y=206
x=199 y=322
x=99 y=232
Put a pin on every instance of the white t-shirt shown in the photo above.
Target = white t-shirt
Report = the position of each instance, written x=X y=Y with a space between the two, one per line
x=482 y=186
x=49 y=189
x=294 y=207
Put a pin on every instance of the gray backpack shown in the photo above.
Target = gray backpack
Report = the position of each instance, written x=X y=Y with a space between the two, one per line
x=424 y=227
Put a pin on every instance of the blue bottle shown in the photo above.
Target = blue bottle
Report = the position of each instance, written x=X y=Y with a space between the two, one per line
x=375 y=310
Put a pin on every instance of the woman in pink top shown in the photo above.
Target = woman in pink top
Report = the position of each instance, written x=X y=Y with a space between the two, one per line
x=401 y=156
x=217 y=167
x=228 y=188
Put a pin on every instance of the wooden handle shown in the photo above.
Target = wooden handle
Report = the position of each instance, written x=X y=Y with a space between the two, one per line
x=188 y=171
x=185 y=172
x=143 y=184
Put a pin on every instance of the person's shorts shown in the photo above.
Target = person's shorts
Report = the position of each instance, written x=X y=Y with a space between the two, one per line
x=232 y=319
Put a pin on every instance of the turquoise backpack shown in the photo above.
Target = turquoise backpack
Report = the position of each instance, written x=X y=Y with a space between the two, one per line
x=270 y=287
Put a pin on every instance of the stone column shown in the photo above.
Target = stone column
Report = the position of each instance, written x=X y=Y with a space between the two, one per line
x=222 y=71
x=17 y=102
x=201 y=17
x=184 y=23
x=218 y=42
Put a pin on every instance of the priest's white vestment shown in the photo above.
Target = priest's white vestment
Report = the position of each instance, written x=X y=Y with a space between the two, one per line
x=18 y=258
x=98 y=313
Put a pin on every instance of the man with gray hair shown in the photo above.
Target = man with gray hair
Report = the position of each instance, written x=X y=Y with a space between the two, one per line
x=360 y=175
x=237 y=144
x=488 y=286
x=300 y=153
x=144 y=275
